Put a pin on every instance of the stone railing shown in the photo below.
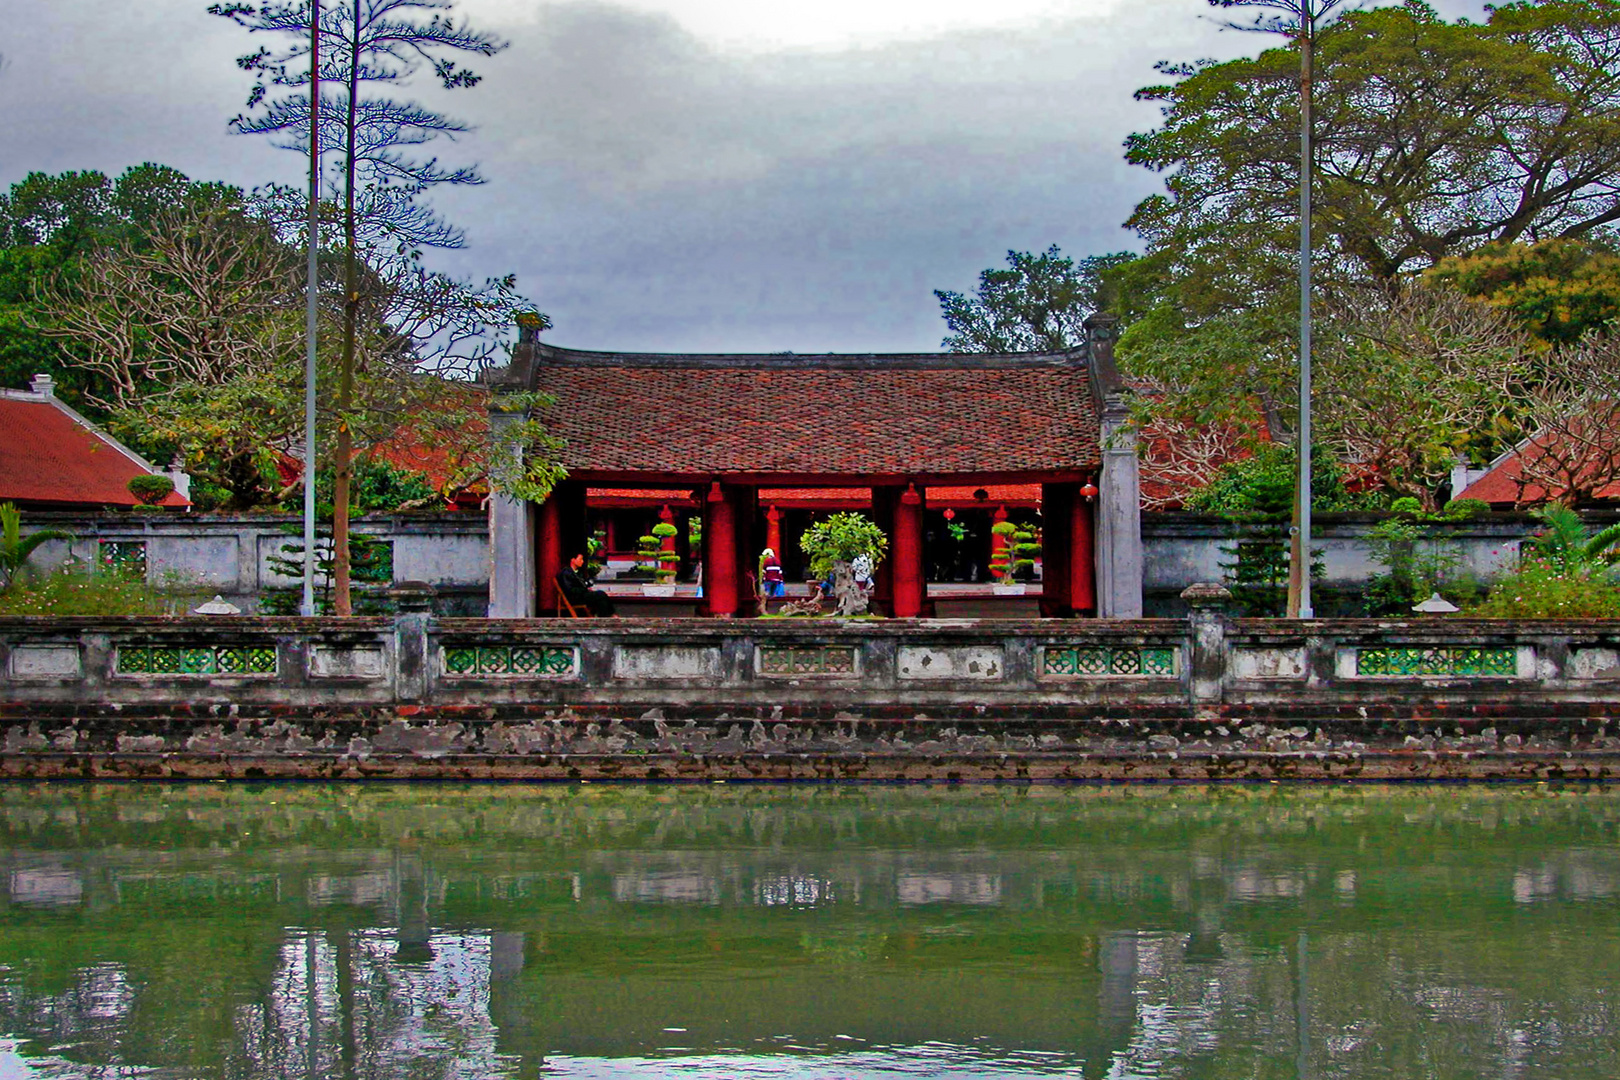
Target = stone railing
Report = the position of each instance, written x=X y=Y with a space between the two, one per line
x=408 y=695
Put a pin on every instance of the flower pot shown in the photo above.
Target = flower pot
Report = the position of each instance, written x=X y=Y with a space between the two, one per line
x=658 y=590
x=1007 y=590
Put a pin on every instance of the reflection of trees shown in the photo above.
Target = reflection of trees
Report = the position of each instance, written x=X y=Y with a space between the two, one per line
x=1469 y=934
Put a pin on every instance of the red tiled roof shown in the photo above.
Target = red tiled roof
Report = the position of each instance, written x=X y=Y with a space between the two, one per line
x=818 y=416
x=48 y=457
x=1500 y=486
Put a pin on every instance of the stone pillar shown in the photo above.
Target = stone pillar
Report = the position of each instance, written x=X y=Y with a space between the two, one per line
x=1119 y=500
x=720 y=552
x=511 y=546
x=773 y=530
x=1207 y=618
x=909 y=584
x=549 y=552
x=1082 y=558
x=412 y=665
x=1057 y=519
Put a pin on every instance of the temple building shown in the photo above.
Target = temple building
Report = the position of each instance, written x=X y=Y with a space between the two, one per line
x=748 y=440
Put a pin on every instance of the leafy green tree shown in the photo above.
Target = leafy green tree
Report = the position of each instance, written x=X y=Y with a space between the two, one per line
x=1558 y=289
x=364 y=45
x=1433 y=138
x=52 y=228
x=1037 y=304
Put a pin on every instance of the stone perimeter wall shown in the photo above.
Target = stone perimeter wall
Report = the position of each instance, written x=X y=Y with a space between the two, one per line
x=1201 y=698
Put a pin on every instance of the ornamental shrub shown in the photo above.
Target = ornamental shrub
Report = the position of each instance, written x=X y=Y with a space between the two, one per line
x=663 y=529
x=150 y=489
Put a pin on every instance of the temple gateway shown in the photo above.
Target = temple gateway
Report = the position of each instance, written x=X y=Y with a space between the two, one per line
x=731 y=436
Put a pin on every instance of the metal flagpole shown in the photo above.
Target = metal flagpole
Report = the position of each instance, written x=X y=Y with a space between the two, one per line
x=1307 y=33
x=308 y=606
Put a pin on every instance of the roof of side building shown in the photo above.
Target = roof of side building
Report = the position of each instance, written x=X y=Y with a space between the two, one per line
x=50 y=456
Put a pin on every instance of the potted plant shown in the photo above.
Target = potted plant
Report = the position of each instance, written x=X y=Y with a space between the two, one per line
x=650 y=555
x=1002 y=562
x=833 y=546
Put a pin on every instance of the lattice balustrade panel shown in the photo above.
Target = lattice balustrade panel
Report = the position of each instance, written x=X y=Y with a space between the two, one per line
x=1418 y=661
x=196 y=660
x=782 y=660
x=533 y=661
x=1100 y=660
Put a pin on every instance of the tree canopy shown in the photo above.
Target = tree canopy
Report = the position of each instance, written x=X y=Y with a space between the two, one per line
x=1037 y=304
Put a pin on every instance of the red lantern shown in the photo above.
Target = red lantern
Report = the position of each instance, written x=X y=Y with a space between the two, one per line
x=950 y=515
x=1089 y=491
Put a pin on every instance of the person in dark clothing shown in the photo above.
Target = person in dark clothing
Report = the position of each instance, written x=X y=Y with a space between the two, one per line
x=579 y=591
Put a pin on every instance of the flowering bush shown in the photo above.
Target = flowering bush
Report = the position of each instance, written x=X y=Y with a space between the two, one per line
x=80 y=591
x=1543 y=589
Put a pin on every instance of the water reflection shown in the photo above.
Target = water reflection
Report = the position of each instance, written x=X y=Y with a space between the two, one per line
x=483 y=931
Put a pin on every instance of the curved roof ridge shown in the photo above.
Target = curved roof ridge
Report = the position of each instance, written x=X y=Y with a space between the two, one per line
x=556 y=355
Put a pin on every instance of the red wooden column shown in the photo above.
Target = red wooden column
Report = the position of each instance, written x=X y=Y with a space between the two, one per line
x=667 y=517
x=998 y=543
x=773 y=530
x=1057 y=523
x=908 y=555
x=1083 y=556
x=548 y=553
x=720 y=552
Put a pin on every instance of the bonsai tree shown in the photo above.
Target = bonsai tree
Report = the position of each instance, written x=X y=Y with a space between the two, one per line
x=1001 y=560
x=667 y=560
x=833 y=545
x=150 y=489
x=648 y=548
x=1025 y=548
x=15 y=548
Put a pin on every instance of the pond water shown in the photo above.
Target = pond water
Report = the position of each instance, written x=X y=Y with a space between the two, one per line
x=481 y=931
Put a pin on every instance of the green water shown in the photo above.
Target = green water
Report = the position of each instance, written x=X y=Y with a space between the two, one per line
x=813 y=931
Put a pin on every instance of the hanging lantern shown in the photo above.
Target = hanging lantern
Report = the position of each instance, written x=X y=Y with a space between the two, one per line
x=1089 y=491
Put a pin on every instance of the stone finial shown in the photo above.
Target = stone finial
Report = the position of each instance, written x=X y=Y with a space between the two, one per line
x=217 y=606
x=1206 y=596
x=43 y=384
x=413 y=596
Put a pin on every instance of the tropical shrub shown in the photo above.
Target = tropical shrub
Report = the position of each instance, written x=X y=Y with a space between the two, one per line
x=15 y=548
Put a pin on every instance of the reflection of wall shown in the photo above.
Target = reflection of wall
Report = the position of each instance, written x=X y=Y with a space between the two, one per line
x=229 y=931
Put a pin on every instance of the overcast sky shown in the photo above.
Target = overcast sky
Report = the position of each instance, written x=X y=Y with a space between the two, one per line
x=688 y=175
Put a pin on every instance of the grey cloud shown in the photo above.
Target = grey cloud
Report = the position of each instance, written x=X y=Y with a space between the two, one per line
x=654 y=192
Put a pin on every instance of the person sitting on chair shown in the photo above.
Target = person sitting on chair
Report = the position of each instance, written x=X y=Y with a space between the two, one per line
x=579 y=591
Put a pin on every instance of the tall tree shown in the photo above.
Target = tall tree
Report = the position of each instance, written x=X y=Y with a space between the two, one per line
x=1432 y=139
x=367 y=48
x=1037 y=304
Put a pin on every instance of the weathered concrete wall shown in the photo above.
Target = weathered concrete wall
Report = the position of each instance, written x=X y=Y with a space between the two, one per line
x=230 y=553
x=1184 y=548
x=1201 y=698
